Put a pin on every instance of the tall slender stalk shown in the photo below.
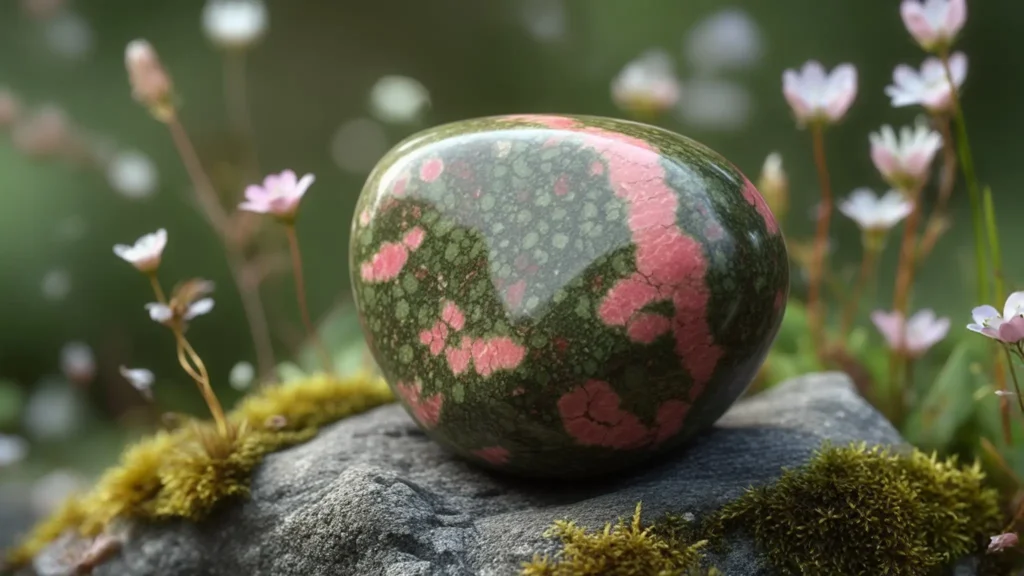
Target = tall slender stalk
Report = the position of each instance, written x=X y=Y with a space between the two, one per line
x=868 y=262
x=206 y=195
x=818 y=262
x=300 y=294
x=947 y=181
x=202 y=378
x=237 y=101
x=1016 y=383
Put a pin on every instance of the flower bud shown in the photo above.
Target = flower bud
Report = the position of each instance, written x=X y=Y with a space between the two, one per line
x=774 y=185
x=151 y=85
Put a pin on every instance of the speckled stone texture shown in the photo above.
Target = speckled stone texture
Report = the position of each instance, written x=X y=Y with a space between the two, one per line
x=564 y=296
x=372 y=495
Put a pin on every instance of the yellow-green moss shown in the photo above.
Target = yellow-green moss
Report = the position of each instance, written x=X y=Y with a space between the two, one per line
x=626 y=549
x=860 y=511
x=185 y=473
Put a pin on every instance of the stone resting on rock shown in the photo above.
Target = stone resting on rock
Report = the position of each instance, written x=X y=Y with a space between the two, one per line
x=372 y=495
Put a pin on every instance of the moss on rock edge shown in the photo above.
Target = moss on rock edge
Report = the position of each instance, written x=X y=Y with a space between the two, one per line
x=170 y=475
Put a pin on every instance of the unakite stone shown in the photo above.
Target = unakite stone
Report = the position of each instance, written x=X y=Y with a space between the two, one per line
x=579 y=294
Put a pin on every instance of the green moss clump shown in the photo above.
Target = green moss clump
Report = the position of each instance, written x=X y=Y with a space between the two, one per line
x=626 y=549
x=186 y=473
x=860 y=511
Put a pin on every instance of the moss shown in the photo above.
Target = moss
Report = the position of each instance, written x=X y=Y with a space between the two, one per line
x=625 y=549
x=186 y=473
x=856 y=510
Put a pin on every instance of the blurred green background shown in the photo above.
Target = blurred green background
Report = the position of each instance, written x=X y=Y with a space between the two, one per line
x=312 y=75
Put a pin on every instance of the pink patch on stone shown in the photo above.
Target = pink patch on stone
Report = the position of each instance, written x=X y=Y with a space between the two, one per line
x=597 y=168
x=458 y=358
x=398 y=188
x=435 y=337
x=493 y=354
x=426 y=410
x=592 y=414
x=414 y=238
x=670 y=264
x=562 y=185
x=431 y=169
x=452 y=315
x=385 y=264
x=514 y=294
x=645 y=328
x=757 y=201
x=364 y=217
x=496 y=455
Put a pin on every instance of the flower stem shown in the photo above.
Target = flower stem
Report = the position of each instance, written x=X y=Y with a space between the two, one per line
x=1016 y=383
x=934 y=228
x=815 y=306
x=236 y=98
x=1004 y=403
x=252 y=303
x=300 y=294
x=155 y=283
x=202 y=378
x=973 y=192
x=867 y=268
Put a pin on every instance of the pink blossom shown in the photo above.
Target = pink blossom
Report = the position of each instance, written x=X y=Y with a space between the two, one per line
x=151 y=85
x=279 y=196
x=146 y=253
x=818 y=96
x=904 y=160
x=1002 y=542
x=928 y=87
x=922 y=331
x=872 y=213
x=1008 y=327
x=647 y=85
x=934 y=23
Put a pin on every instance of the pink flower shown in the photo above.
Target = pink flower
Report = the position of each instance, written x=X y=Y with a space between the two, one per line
x=929 y=87
x=1002 y=542
x=279 y=196
x=1008 y=328
x=151 y=85
x=872 y=213
x=904 y=160
x=145 y=254
x=934 y=23
x=816 y=96
x=922 y=331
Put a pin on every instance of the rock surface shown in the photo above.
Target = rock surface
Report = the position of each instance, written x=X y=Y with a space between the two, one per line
x=372 y=495
x=564 y=295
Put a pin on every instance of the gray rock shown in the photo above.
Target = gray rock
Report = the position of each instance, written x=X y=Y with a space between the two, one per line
x=372 y=495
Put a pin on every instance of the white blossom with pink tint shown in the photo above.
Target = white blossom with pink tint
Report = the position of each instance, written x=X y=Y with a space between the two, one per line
x=146 y=253
x=279 y=195
x=1002 y=542
x=1007 y=327
x=904 y=159
x=151 y=85
x=164 y=314
x=647 y=85
x=928 y=87
x=872 y=213
x=934 y=23
x=819 y=96
x=923 y=330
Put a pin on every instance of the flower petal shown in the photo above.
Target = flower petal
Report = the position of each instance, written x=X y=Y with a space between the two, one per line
x=160 y=312
x=199 y=308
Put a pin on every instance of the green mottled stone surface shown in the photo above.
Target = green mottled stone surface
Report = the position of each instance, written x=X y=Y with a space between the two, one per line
x=564 y=296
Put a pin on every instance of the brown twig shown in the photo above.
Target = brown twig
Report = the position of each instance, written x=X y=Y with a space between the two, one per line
x=815 y=306
x=300 y=294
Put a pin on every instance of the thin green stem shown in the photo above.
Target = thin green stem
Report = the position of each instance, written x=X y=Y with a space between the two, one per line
x=818 y=263
x=989 y=210
x=973 y=192
x=1016 y=383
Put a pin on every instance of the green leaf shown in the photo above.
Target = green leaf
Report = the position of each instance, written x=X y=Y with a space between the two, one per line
x=794 y=327
x=949 y=403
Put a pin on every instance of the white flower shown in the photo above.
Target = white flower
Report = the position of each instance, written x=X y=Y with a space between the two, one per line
x=929 y=87
x=934 y=23
x=904 y=161
x=398 y=99
x=164 y=314
x=872 y=213
x=132 y=174
x=13 y=449
x=242 y=375
x=279 y=195
x=77 y=362
x=234 y=23
x=715 y=104
x=817 y=96
x=140 y=379
x=647 y=85
x=1008 y=327
x=145 y=254
x=728 y=39
x=922 y=331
